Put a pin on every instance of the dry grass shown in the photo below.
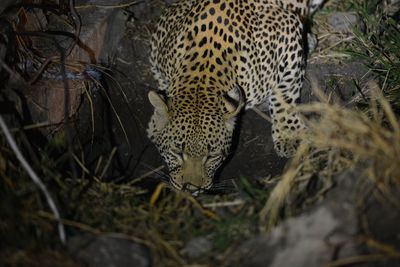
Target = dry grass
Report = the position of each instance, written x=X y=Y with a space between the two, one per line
x=342 y=138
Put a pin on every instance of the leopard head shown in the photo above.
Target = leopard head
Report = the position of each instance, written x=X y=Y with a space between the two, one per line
x=193 y=135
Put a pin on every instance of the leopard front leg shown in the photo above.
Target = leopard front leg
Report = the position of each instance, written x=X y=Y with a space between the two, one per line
x=287 y=125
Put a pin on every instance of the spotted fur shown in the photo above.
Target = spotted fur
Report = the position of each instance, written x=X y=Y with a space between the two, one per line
x=206 y=53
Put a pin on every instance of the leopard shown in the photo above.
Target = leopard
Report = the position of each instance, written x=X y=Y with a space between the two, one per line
x=212 y=60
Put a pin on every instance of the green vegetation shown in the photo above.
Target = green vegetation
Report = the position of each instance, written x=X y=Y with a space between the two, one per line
x=377 y=44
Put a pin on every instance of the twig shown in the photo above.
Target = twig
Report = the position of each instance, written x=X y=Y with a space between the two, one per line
x=147 y=174
x=78 y=24
x=156 y=194
x=33 y=126
x=206 y=212
x=113 y=109
x=91 y=106
x=110 y=6
x=41 y=69
x=356 y=260
x=387 y=249
x=12 y=73
x=262 y=114
x=108 y=163
x=97 y=168
x=50 y=35
x=67 y=104
x=92 y=230
x=236 y=202
x=34 y=177
x=81 y=164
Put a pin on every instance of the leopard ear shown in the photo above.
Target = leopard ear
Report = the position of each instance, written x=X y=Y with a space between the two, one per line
x=233 y=108
x=160 y=116
x=314 y=5
x=158 y=103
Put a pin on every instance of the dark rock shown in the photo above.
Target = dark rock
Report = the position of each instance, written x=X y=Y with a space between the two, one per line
x=6 y=3
x=299 y=241
x=335 y=80
x=381 y=225
x=343 y=21
x=103 y=251
x=312 y=239
x=197 y=247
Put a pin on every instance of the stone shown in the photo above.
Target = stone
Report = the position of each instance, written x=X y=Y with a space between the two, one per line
x=103 y=251
x=343 y=21
x=197 y=247
x=6 y=3
x=312 y=239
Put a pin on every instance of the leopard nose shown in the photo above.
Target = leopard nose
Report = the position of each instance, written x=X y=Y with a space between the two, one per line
x=192 y=189
x=189 y=187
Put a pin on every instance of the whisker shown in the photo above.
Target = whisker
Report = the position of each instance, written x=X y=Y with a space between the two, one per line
x=159 y=171
x=163 y=178
x=224 y=183
x=154 y=173
x=223 y=186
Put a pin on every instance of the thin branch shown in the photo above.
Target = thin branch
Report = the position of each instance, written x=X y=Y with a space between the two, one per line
x=147 y=174
x=108 y=163
x=262 y=114
x=34 y=177
x=111 y=6
x=50 y=35
x=12 y=73
x=92 y=230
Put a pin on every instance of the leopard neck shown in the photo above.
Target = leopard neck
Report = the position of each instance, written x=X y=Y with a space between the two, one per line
x=299 y=7
x=195 y=96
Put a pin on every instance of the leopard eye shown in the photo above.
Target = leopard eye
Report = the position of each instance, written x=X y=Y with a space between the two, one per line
x=179 y=155
x=213 y=157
